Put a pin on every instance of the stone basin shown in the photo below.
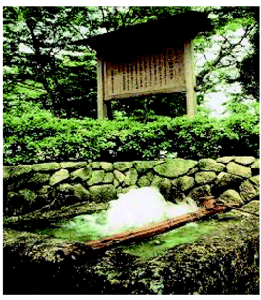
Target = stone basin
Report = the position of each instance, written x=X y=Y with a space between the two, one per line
x=221 y=259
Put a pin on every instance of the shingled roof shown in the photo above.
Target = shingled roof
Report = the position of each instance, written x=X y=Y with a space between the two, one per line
x=157 y=33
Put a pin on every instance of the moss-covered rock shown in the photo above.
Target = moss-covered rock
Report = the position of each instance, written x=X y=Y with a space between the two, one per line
x=127 y=189
x=82 y=174
x=28 y=195
x=73 y=165
x=202 y=191
x=123 y=166
x=115 y=183
x=144 y=166
x=39 y=178
x=164 y=186
x=96 y=177
x=231 y=198
x=131 y=177
x=59 y=176
x=205 y=177
x=208 y=164
x=184 y=183
x=226 y=181
x=255 y=180
x=10 y=172
x=239 y=170
x=244 y=160
x=255 y=167
x=65 y=188
x=175 y=168
x=46 y=167
x=225 y=159
x=103 y=193
x=81 y=193
x=45 y=189
x=102 y=165
x=145 y=180
x=108 y=177
x=248 y=190
x=119 y=176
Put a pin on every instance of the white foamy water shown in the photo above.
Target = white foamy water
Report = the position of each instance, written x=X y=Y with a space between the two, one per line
x=140 y=207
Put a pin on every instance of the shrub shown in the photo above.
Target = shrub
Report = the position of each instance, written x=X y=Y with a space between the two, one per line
x=34 y=135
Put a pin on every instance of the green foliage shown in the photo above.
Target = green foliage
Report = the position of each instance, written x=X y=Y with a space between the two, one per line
x=34 y=135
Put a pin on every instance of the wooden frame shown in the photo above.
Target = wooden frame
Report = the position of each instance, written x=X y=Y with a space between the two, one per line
x=167 y=70
x=148 y=58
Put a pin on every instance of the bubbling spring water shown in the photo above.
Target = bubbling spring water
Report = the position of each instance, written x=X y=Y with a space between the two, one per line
x=137 y=208
x=140 y=207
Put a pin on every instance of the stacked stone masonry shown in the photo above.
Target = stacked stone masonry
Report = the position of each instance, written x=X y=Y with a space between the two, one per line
x=32 y=187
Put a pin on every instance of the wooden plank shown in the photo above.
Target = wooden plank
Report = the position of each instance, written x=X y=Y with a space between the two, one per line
x=101 y=113
x=189 y=78
x=151 y=91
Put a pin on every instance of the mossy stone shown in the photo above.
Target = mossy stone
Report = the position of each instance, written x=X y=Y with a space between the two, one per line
x=83 y=174
x=255 y=167
x=119 y=176
x=175 y=168
x=164 y=186
x=239 y=170
x=205 y=177
x=231 y=198
x=102 y=165
x=103 y=193
x=15 y=171
x=208 y=164
x=39 y=178
x=202 y=191
x=73 y=165
x=226 y=181
x=245 y=160
x=143 y=181
x=96 y=177
x=46 y=167
x=143 y=166
x=184 y=183
x=131 y=177
x=248 y=190
x=28 y=195
x=65 y=187
x=123 y=166
x=255 y=180
x=80 y=192
x=108 y=177
x=45 y=189
x=225 y=159
x=59 y=176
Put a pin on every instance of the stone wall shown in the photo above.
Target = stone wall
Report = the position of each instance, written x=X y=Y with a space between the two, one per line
x=31 y=187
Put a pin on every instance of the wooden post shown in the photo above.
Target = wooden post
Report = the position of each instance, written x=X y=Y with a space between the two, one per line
x=101 y=107
x=190 y=78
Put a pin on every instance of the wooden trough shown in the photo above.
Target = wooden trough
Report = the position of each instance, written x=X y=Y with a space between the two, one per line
x=209 y=208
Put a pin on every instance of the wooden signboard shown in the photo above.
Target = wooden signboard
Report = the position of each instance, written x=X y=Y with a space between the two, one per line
x=146 y=59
